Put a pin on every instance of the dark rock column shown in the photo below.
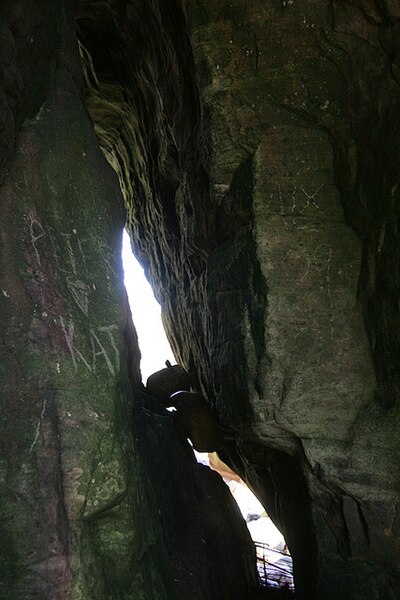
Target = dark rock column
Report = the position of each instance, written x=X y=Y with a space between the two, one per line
x=306 y=96
x=75 y=521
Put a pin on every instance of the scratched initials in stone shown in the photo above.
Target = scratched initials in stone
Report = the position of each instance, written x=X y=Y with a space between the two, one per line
x=98 y=347
x=36 y=232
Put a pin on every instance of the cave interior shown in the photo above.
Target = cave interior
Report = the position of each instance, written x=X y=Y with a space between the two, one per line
x=251 y=150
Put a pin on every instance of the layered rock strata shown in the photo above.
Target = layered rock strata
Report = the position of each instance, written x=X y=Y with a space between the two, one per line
x=84 y=512
x=259 y=169
x=266 y=216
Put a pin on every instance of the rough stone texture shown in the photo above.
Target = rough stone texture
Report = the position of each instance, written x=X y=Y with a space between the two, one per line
x=266 y=216
x=268 y=223
x=207 y=540
x=306 y=96
x=83 y=514
x=68 y=504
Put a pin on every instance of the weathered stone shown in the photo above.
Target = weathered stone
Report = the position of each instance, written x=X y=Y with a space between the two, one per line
x=208 y=543
x=287 y=87
x=67 y=499
x=266 y=216
x=82 y=515
x=276 y=258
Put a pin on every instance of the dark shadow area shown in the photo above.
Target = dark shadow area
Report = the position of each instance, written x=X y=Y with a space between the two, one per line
x=280 y=487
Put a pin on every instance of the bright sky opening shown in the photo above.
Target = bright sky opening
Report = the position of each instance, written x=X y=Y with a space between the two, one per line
x=146 y=314
x=155 y=350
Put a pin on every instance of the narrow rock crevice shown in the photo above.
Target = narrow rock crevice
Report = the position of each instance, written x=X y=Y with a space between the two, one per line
x=279 y=289
x=253 y=155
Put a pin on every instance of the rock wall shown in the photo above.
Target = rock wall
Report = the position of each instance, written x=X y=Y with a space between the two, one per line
x=304 y=96
x=258 y=163
x=69 y=504
x=98 y=497
x=266 y=216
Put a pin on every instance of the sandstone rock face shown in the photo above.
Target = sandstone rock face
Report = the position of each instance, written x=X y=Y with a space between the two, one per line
x=299 y=126
x=259 y=166
x=287 y=90
x=267 y=218
x=83 y=514
x=69 y=503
